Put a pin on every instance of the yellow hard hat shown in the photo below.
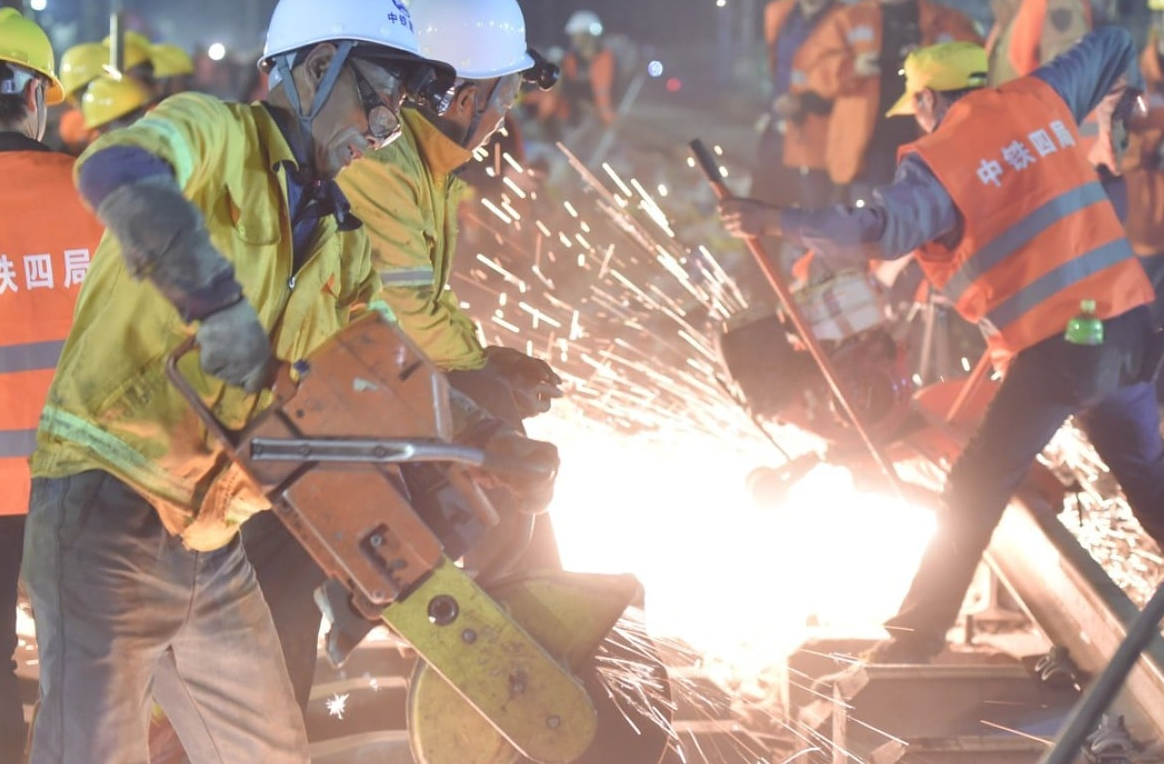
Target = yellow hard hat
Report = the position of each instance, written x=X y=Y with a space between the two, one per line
x=945 y=66
x=1156 y=5
x=25 y=44
x=170 y=61
x=82 y=64
x=109 y=98
x=135 y=49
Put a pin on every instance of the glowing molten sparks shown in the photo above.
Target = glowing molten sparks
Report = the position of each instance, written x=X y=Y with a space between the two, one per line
x=736 y=582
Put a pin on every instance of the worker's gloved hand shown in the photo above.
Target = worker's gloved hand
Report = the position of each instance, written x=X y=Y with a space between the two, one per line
x=235 y=347
x=747 y=218
x=525 y=466
x=532 y=382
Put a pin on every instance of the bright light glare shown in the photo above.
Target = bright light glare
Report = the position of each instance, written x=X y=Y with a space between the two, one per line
x=38 y=5
x=655 y=68
x=217 y=51
x=720 y=3
x=732 y=580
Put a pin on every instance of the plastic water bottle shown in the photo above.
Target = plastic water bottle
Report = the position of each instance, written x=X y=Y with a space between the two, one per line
x=1085 y=329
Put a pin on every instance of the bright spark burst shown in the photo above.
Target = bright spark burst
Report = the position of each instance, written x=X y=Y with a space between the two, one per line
x=337 y=705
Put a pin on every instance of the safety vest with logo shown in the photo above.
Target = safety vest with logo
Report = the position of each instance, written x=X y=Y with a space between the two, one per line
x=46 y=241
x=1039 y=234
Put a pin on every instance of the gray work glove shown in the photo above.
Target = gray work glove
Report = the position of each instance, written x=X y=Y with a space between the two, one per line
x=235 y=347
x=525 y=466
x=532 y=382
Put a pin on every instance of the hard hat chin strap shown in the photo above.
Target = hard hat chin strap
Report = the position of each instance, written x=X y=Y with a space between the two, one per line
x=478 y=115
x=322 y=93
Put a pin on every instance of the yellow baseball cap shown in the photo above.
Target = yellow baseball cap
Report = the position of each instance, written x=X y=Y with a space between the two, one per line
x=945 y=66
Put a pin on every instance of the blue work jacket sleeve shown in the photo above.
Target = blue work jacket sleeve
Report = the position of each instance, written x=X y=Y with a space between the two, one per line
x=909 y=212
x=1086 y=73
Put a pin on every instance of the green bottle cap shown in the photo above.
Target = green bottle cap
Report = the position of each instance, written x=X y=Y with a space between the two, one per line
x=1085 y=329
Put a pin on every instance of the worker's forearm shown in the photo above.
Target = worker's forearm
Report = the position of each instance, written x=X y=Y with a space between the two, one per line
x=902 y=216
x=162 y=236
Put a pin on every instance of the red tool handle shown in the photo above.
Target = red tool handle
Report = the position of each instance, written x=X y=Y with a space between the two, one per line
x=710 y=167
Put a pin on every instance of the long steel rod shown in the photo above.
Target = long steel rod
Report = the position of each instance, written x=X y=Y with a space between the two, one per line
x=784 y=292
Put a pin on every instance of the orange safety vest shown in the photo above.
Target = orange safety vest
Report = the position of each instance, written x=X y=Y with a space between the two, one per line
x=1028 y=31
x=46 y=240
x=1039 y=234
x=597 y=76
x=806 y=140
x=827 y=57
x=1144 y=176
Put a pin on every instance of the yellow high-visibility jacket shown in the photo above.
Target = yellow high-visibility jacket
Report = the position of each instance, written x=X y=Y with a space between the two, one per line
x=407 y=195
x=111 y=406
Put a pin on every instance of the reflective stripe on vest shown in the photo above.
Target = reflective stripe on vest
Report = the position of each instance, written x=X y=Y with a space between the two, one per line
x=1020 y=234
x=407 y=277
x=1071 y=272
x=17 y=443
x=35 y=356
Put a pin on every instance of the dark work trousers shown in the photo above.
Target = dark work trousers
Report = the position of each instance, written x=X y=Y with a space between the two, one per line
x=1105 y=387
x=288 y=577
x=11 y=711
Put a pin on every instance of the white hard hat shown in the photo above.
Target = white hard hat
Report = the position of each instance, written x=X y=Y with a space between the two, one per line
x=481 y=39
x=299 y=24
x=584 y=22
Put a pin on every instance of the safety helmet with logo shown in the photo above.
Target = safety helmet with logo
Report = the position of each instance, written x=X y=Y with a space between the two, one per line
x=584 y=22
x=109 y=98
x=81 y=64
x=135 y=50
x=482 y=39
x=380 y=30
x=170 y=61
x=25 y=45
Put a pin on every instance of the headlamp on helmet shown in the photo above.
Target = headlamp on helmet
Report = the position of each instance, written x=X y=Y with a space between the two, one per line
x=544 y=74
x=429 y=88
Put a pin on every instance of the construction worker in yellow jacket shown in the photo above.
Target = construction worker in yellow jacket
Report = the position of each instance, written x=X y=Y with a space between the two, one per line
x=223 y=223
x=45 y=253
x=406 y=195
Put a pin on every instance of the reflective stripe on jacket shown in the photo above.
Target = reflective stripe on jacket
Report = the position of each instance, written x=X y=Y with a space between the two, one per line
x=407 y=196
x=48 y=240
x=1142 y=162
x=828 y=57
x=111 y=406
x=1039 y=234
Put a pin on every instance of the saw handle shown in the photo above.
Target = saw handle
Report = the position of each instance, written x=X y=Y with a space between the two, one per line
x=278 y=378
